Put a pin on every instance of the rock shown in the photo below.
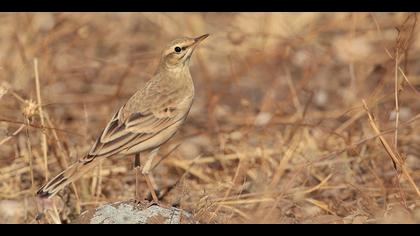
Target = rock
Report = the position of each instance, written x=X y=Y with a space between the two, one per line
x=130 y=212
x=262 y=119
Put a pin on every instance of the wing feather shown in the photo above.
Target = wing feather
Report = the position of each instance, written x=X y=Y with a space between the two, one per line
x=140 y=119
x=119 y=135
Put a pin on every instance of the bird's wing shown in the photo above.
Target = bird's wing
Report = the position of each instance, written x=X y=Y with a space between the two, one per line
x=128 y=129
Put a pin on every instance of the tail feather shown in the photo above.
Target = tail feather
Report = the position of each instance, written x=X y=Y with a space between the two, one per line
x=69 y=175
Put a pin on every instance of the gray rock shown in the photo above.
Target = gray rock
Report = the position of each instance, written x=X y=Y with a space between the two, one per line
x=130 y=212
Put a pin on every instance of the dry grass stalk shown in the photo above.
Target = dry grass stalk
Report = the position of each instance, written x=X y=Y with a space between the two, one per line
x=41 y=115
x=395 y=157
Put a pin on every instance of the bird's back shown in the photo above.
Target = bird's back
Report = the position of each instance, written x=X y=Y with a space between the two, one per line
x=165 y=95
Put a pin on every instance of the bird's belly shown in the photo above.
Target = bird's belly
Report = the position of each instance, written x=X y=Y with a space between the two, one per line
x=155 y=141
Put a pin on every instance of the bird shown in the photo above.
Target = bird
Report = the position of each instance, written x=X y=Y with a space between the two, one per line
x=150 y=117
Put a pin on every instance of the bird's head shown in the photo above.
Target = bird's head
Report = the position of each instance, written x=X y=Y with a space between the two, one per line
x=178 y=52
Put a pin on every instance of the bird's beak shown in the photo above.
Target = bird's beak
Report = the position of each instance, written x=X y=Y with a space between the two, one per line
x=199 y=39
x=196 y=42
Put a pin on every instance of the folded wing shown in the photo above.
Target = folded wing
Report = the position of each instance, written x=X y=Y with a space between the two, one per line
x=121 y=134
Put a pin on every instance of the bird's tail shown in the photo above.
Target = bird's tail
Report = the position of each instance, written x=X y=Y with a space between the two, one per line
x=72 y=173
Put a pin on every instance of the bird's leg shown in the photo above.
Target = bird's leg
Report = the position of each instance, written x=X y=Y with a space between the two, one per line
x=146 y=172
x=137 y=170
x=152 y=191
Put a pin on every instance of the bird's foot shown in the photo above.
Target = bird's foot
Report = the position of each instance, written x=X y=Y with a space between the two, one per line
x=160 y=204
x=153 y=203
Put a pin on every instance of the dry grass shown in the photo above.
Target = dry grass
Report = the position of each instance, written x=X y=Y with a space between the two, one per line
x=298 y=118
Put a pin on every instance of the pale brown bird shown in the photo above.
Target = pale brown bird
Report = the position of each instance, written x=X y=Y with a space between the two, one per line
x=148 y=119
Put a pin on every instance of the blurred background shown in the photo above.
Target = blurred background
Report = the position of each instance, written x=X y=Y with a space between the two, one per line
x=298 y=117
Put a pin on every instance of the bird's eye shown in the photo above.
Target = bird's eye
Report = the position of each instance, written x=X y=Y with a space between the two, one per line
x=178 y=49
